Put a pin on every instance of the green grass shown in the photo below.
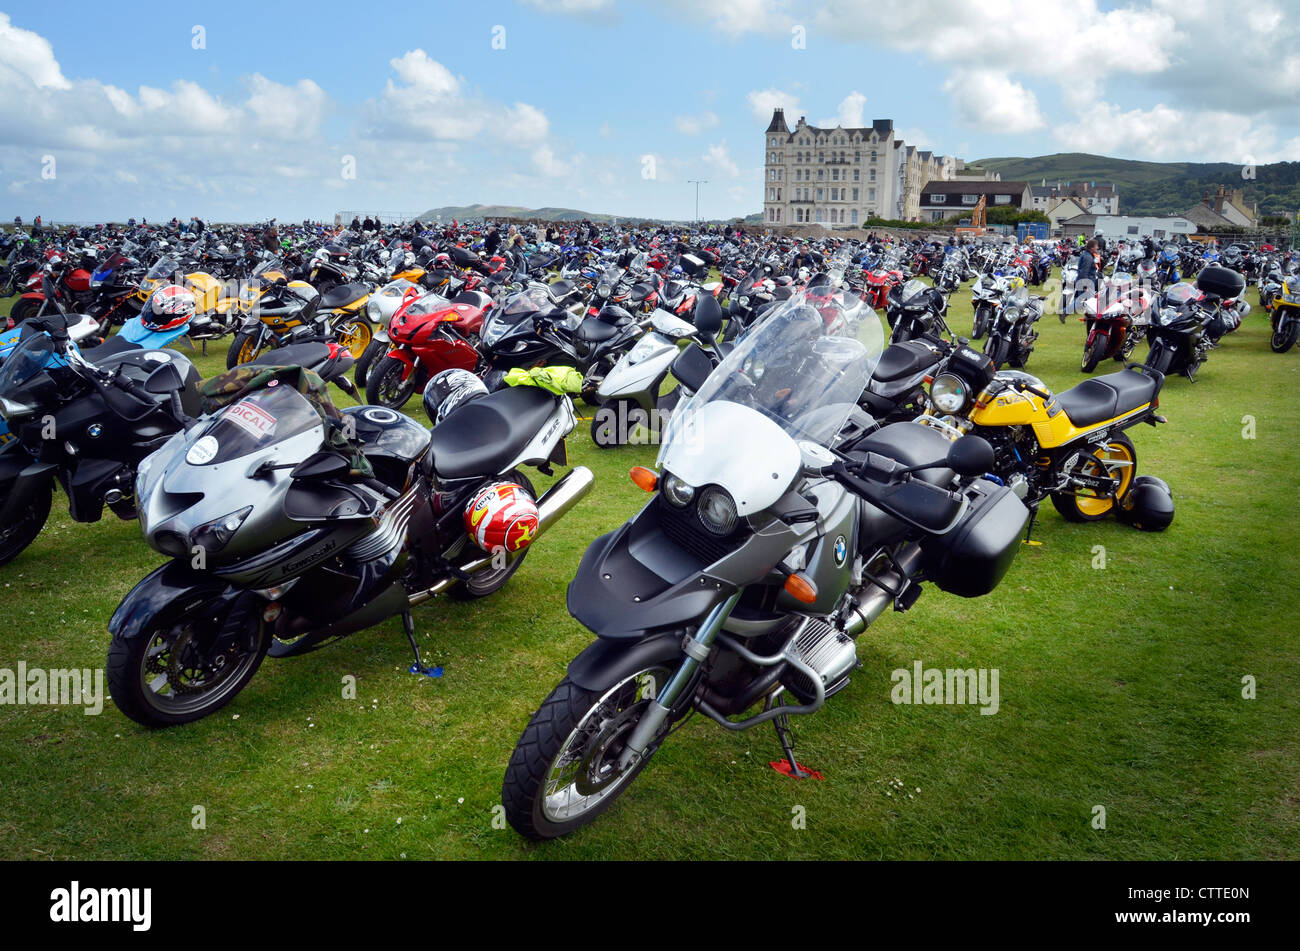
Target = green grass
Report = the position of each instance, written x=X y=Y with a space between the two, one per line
x=1119 y=688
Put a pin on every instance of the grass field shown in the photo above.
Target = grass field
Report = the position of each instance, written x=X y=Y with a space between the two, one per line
x=1120 y=687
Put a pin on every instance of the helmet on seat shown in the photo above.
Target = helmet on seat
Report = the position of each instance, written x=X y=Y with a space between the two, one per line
x=449 y=390
x=169 y=307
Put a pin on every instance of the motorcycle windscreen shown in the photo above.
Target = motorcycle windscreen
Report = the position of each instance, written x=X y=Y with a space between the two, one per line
x=802 y=369
x=256 y=422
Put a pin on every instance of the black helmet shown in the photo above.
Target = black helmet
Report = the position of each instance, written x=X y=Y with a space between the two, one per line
x=448 y=390
x=1148 y=505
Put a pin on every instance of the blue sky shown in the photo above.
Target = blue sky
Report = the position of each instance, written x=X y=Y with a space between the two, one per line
x=606 y=105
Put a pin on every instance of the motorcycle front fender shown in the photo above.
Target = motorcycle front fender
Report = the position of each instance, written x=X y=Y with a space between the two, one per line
x=173 y=582
x=605 y=663
x=21 y=479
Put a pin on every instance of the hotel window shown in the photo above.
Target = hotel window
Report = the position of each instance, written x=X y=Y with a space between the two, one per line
x=970 y=199
x=855 y=194
x=857 y=175
x=873 y=174
x=1001 y=199
x=873 y=155
x=938 y=199
x=819 y=198
x=854 y=216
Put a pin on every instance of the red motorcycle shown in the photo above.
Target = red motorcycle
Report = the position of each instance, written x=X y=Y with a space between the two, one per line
x=1114 y=318
x=427 y=334
x=71 y=285
x=877 y=285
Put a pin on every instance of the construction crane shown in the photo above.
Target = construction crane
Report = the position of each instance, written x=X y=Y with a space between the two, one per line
x=977 y=220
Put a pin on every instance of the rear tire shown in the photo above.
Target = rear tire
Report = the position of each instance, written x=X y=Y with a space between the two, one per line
x=15 y=538
x=24 y=309
x=354 y=334
x=571 y=740
x=385 y=386
x=1087 y=508
x=1284 y=338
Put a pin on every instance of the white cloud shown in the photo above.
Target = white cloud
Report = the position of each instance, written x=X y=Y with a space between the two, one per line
x=763 y=101
x=546 y=162
x=993 y=101
x=849 y=114
x=30 y=56
x=694 y=125
x=719 y=157
x=1164 y=133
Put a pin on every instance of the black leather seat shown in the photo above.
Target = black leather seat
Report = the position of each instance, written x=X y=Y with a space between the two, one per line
x=901 y=360
x=343 y=294
x=595 y=330
x=1105 y=397
x=113 y=345
x=484 y=436
x=913 y=445
x=297 y=354
x=559 y=289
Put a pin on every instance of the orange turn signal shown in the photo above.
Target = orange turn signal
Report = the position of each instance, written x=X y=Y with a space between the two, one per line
x=644 y=479
x=801 y=588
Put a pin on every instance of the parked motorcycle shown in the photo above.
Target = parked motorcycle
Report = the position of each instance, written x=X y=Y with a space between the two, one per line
x=750 y=573
x=314 y=524
x=428 y=334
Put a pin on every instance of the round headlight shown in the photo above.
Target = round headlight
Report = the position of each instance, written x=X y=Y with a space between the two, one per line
x=717 y=511
x=949 y=393
x=372 y=309
x=677 y=492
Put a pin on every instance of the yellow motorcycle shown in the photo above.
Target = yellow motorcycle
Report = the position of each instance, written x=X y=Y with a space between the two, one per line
x=212 y=297
x=1070 y=446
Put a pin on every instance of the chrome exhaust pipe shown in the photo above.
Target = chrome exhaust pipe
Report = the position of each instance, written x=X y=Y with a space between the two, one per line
x=871 y=603
x=554 y=504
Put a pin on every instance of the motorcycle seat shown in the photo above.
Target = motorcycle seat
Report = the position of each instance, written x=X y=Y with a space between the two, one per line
x=901 y=360
x=560 y=289
x=595 y=330
x=341 y=295
x=316 y=357
x=484 y=436
x=111 y=347
x=1105 y=397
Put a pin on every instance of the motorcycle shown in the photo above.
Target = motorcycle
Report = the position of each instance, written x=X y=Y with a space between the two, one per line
x=1284 y=315
x=750 y=573
x=1070 y=446
x=314 y=524
x=631 y=394
x=1011 y=335
x=1114 y=320
x=428 y=334
x=916 y=310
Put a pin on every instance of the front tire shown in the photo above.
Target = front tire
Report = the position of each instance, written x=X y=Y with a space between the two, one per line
x=244 y=348
x=385 y=386
x=562 y=773
x=15 y=538
x=24 y=309
x=1284 y=337
x=1094 y=353
x=374 y=352
x=162 y=678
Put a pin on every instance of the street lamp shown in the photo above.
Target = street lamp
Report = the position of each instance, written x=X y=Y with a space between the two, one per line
x=697 y=182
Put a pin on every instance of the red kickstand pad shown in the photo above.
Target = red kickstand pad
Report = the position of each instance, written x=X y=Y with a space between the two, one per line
x=782 y=766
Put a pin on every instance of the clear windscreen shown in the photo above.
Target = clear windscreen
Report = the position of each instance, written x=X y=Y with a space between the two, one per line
x=27 y=359
x=163 y=268
x=803 y=367
x=257 y=421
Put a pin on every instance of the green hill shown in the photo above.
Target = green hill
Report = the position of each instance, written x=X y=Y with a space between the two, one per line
x=1158 y=188
x=470 y=212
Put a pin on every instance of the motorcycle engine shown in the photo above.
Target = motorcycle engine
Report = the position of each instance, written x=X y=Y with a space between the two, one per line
x=828 y=651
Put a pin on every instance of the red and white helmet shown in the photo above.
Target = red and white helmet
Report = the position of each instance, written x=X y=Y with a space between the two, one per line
x=170 y=306
x=502 y=516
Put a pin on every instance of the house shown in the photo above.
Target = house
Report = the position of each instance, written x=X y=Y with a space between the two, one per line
x=1226 y=208
x=1156 y=228
x=1092 y=198
x=951 y=199
x=1063 y=209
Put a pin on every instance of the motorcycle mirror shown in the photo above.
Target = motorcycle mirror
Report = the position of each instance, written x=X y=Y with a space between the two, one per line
x=321 y=465
x=708 y=314
x=970 y=456
x=166 y=379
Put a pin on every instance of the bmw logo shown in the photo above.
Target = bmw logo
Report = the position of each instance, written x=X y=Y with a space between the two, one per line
x=94 y=430
x=841 y=550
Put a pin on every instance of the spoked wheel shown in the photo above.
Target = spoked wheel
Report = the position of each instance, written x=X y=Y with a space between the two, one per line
x=354 y=335
x=18 y=534
x=491 y=580
x=1117 y=459
x=385 y=385
x=181 y=669
x=564 y=771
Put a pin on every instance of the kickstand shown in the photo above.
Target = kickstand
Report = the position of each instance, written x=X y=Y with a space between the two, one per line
x=786 y=739
x=408 y=625
x=1029 y=529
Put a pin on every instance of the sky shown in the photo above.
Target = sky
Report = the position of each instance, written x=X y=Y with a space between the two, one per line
x=244 y=111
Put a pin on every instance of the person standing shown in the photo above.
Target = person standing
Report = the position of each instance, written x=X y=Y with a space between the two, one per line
x=1087 y=276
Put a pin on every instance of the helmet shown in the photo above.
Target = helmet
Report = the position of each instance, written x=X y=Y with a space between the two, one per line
x=1148 y=505
x=448 y=390
x=170 y=306
x=502 y=516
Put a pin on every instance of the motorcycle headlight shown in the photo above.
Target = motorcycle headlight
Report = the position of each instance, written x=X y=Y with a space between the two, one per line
x=602 y=290
x=493 y=330
x=677 y=492
x=744 y=302
x=717 y=510
x=949 y=393
x=372 y=309
x=213 y=536
x=644 y=347
x=14 y=410
x=1167 y=316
